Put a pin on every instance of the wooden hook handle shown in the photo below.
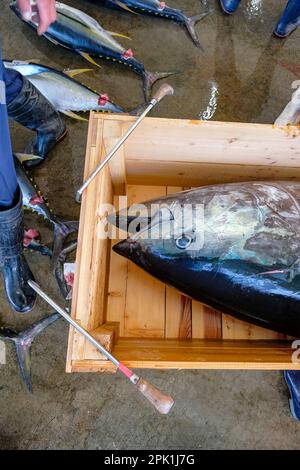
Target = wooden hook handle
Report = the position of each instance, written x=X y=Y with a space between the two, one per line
x=164 y=90
x=163 y=403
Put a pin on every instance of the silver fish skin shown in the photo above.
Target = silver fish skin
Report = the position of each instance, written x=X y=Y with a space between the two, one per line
x=63 y=92
x=234 y=247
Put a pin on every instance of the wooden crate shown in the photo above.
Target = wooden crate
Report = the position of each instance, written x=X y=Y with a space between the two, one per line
x=145 y=323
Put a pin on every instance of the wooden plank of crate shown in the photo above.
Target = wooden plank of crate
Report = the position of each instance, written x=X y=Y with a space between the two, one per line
x=117 y=285
x=76 y=342
x=197 y=354
x=207 y=322
x=197 y=174
x=236 y=329
x=145 y=297
x=92 y=253
x=107 y=335
x=218 y=142
x=112 y=133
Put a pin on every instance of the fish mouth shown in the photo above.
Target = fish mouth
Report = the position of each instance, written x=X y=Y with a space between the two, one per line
x=126 y=248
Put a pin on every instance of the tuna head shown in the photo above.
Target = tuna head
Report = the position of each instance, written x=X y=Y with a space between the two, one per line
x=230 y=246
x=255 y=222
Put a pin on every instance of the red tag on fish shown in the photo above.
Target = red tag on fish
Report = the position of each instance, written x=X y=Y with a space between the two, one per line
x=30 y=235
x=36 y=200
x=103 y=99
x=162 y=5
x=69 y=278
x=128 y=54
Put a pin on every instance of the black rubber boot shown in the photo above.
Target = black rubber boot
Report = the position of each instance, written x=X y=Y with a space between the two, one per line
x=31 y=109
x=13 y=265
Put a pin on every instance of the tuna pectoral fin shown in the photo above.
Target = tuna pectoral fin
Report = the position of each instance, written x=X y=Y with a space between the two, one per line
x=119 y=35
x=87 y=57
x=190 y=26
x=73 y=115
x=152 y=77
x=61 y=231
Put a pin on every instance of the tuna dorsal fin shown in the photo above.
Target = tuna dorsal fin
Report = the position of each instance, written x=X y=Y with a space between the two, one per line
x=73 y=115
x=125 y=7
x=87 y=57
x=73 y=72
x=119 y=35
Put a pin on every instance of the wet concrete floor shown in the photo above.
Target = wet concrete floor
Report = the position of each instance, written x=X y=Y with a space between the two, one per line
x=244 y=75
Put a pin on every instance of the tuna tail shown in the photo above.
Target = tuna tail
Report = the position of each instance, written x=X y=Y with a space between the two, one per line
x=152 y=77
x=190 y=26
x=23 y=342
x=62 y=229
x=59 y=269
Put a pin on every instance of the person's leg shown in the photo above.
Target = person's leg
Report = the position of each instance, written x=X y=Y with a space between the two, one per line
x=229 y=6
x=13 y=266
x=289 y=20
x=27 y=106
x=8 y=178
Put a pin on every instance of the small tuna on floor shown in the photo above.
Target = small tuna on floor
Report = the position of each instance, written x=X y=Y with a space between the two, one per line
x=66 y=94
x=35 y=202
x=80 y=33
x=161 y=10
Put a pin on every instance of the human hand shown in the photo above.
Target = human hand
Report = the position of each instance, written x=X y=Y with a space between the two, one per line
x=41 y=12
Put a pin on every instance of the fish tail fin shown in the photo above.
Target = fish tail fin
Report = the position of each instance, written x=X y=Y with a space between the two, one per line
x=138 y=110
x=23 y=342
x=62 y=229
x=190 y=23
x=152 y=77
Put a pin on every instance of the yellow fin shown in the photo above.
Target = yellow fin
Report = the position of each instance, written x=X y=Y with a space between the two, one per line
x=74 y=72
x=125 y=7
x=87 y=57
x=25 y=157
x=73 y=115
x=119 y=35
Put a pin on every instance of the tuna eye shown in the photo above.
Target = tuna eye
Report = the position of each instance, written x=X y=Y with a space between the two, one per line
x=183 y=242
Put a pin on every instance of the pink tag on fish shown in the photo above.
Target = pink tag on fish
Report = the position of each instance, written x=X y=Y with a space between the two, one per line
x=36 y=200
x=103 y=99
x=128 y=54
x=30 y=235
x=162 y=5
